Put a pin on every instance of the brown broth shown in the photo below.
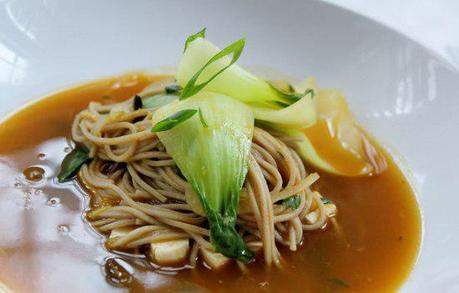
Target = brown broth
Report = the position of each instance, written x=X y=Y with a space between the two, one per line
x=46 y=245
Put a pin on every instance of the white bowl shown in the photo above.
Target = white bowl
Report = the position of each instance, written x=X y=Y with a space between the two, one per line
x=403 y=93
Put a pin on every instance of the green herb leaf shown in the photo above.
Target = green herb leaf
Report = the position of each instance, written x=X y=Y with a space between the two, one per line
x=281 y=104
x=325 y=200
x=201 y=117
x=191 y=88
x=137 y=103
x=292 y=202
x=158 y=101
x=299 y=114
x=173 y=89
x=173 y=120
x=72 y=163
x=200 y=34
x=291 y=96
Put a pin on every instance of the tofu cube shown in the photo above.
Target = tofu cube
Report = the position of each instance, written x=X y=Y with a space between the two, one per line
x=214 y=260
x=169 y=252
x=312 y=217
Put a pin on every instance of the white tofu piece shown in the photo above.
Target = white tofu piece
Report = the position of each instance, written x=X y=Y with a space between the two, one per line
x=255 y=248
x=118 y=232
x=214 y=259
x=169 y=252
x=312 y=217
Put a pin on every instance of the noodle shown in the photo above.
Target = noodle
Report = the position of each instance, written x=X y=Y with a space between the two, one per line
x=134 y=184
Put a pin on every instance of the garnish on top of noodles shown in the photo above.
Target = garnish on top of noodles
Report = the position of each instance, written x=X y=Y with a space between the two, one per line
x=205 y=66
x=335 y=143
x=321 y=127
x=211 y=150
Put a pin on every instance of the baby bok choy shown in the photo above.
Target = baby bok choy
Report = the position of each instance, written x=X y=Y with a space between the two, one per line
x=335 y=143
x=205 y=66
x=209 y=137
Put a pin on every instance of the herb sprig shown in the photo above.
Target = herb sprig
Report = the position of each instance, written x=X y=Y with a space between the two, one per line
x=191 y=88
x=174 y=120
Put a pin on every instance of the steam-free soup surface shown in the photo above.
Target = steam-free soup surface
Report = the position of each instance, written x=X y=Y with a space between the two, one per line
x=46 y=245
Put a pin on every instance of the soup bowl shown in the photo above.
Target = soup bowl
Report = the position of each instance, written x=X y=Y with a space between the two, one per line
x=403 y=93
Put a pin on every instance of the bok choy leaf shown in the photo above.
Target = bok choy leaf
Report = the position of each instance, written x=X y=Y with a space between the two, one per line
x=335 y=143
x=205 y=65
x=298 y=115
x=211 y=150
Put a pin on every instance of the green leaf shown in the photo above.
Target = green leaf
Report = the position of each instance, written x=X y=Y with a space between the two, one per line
x=72 y=163
x=158 y=101
x=291 y=96
x=300 y=114
x=335 y=119
x=205 y=65
x=173 y=120
x=281 y=104
x=292 y=202
x=191 y=88
x=201 y=117
x=200 y=34
x=325 y=200
x=173 y=89
x=214 y=160
x=235 y=81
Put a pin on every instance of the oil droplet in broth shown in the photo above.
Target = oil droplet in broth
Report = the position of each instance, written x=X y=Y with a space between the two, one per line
x=34 y=173
x=117 y=272
x=64 y=229
x=53 y=202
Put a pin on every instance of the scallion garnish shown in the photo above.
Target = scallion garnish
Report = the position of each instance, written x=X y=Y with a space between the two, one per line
x=292 y=202
x=201 y=117
x=173 y=120
x=205 y=67
x=291 y=96
x=325 y=200
x=200 y=34
x=191 y=88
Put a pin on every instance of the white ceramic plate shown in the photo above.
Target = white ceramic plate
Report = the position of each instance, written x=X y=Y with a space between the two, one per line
x=403 y=93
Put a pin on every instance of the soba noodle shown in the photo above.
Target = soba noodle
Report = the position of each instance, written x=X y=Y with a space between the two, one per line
x=134 y=183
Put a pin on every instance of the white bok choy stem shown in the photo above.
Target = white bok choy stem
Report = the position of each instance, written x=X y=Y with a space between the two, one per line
x=205 y=67
x=209 y=137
